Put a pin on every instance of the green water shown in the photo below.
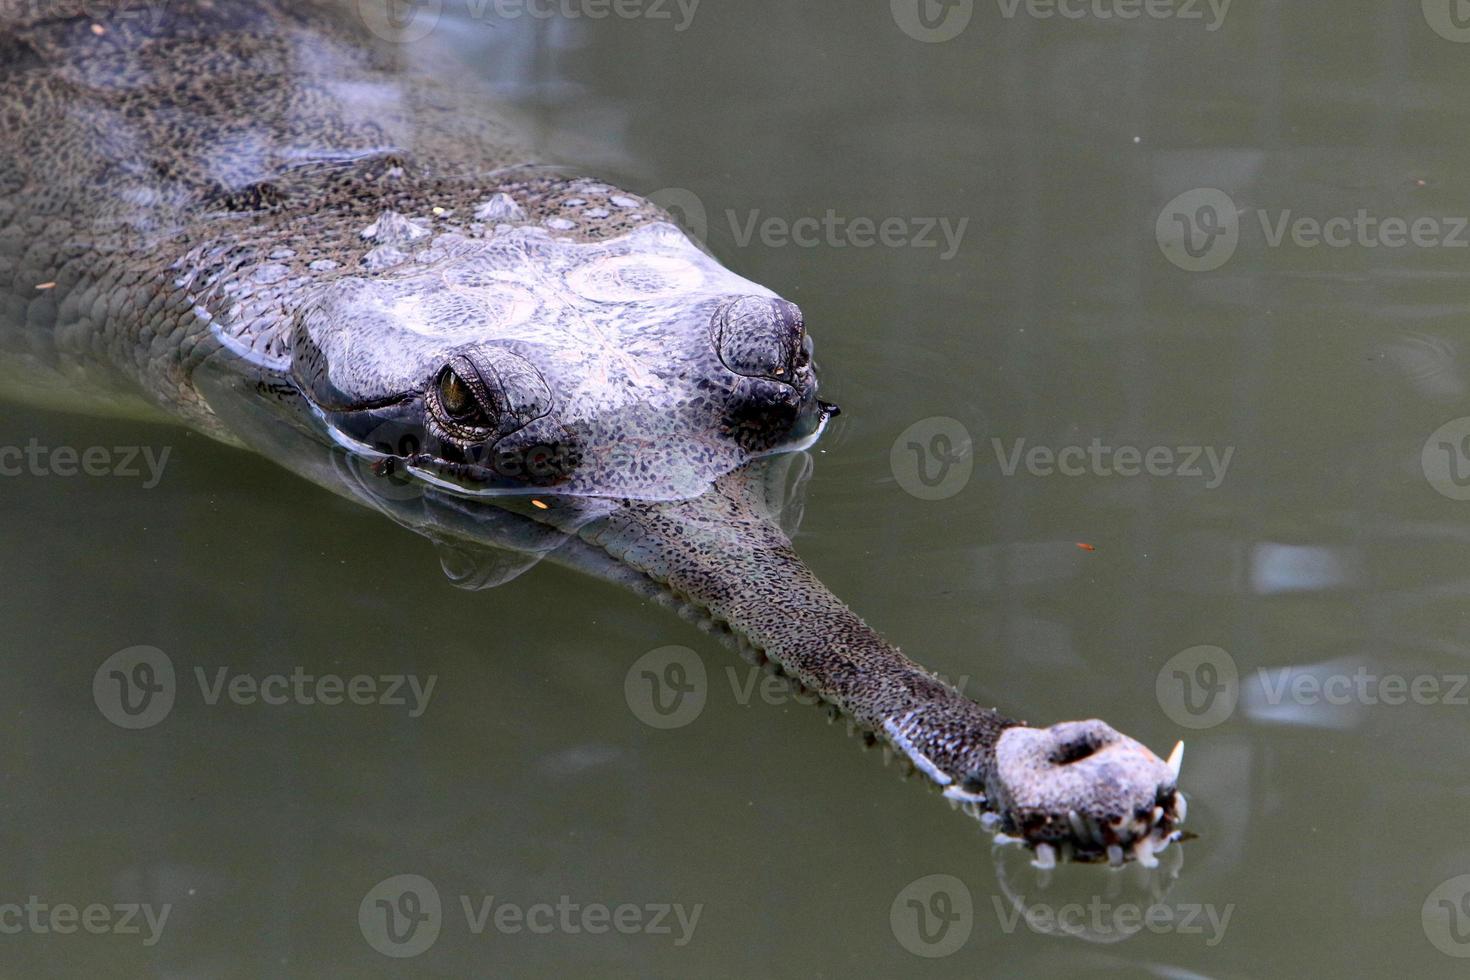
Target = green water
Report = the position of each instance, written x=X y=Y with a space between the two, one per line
x=1322 y=555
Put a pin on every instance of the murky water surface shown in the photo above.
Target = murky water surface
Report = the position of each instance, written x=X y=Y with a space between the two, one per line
x=1150 y=336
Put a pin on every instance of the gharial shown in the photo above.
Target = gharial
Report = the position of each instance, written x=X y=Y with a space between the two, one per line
x=251 y=218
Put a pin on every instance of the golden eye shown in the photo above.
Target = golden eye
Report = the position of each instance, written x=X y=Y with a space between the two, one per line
x=456 y=397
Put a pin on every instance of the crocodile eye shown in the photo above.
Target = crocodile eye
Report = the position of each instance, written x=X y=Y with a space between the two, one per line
x=456 y=402
x=455 y=396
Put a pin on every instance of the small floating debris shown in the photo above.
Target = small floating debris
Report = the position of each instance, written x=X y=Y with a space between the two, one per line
x=1085 y=546
x=46 y=285
x=99 y=30
x=540 y=504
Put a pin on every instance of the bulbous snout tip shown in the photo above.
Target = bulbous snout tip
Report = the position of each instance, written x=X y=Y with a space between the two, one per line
x=1086 y=791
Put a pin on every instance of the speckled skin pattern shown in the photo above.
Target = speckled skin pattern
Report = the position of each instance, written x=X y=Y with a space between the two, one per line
x=263 y=193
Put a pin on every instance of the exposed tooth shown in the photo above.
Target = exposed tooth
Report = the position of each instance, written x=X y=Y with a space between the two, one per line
x=1007 y=839
x=1046 y=857
x=989 y=820
x=1143 y=850
x=1180 y=807
x=953 y=792
x=1157 y=816
x=1115 y=855
x=1176 y=760
x=1078 y=827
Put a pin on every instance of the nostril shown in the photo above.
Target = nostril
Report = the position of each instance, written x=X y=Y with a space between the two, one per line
x=1075 y=751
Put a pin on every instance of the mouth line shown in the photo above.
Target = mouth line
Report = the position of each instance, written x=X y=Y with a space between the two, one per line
x=365 y=405
x=1088 y=840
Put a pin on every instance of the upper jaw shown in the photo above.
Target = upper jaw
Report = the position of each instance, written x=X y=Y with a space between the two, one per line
x=1086 y=791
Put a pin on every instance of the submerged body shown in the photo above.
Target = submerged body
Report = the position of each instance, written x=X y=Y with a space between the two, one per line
x=248 y=218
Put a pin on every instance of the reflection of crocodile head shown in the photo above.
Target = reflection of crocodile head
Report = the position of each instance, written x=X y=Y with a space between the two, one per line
x=636 y=367
x=1070 y=901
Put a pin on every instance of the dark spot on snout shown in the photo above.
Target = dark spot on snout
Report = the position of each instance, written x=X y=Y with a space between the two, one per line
x=1081 y=746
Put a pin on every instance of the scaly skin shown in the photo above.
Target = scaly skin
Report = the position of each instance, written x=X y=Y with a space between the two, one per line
x=218 y=211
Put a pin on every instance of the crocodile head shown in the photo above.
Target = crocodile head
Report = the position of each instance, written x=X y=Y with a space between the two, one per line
x=632 y=368
x=628 y=387
x=1087 y=791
